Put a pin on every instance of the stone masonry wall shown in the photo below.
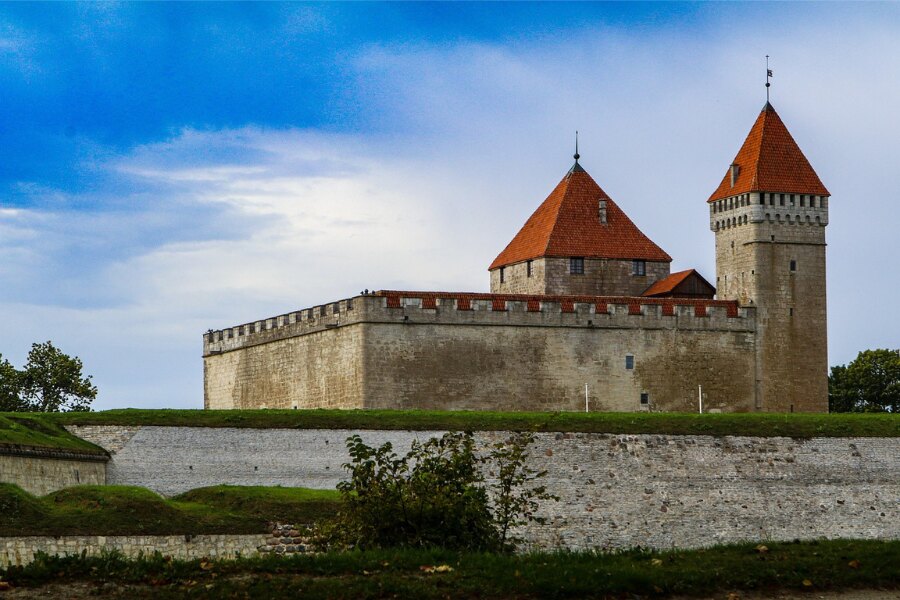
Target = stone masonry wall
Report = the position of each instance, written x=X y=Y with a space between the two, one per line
x=616 y=491
x=21 y=550
x=601 y=277
x=477 y=351
x=755 y=246
x=40 y=473
x=517 y=281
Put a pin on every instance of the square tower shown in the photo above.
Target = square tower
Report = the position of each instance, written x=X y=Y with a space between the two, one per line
x=579 y=242
x=769 y=216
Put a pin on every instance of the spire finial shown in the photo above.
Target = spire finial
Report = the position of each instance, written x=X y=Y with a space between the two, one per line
x=577 y=156
x=768 y=76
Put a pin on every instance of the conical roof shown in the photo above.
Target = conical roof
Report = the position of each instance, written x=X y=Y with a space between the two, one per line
x=770 y=161
x=567 y=223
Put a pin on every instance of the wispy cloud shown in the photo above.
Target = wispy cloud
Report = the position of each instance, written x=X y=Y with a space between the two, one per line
x=205 y=226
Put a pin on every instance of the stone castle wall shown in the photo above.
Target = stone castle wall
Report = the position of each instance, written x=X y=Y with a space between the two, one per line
x=40 y=472
x=481 y=351
x=756 y=244
x=601 y=277
x=616 y=491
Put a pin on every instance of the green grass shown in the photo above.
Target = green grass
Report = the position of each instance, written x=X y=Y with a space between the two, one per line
x=125 y=510
x=766 y=425
x=810 y=567
x=32 y=430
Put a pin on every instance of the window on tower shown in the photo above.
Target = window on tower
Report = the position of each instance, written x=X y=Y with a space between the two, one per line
x=502 y=275
x=576 y=265
x=528 y=269
x=793 y=266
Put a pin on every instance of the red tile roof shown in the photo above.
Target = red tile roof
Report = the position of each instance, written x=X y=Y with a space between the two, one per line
x=567 y=224
x=668 y=284
x=665 y=286
x=770 y=161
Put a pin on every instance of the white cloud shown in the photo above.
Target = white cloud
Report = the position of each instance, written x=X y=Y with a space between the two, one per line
x=227 y=226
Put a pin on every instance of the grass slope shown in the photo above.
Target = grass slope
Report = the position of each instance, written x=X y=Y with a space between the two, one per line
x=765 y=425
x=810 y=567
x=32 y=430
x=125 y=510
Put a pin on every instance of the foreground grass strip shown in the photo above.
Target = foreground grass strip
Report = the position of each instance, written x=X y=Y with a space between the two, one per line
x=30 y=430
x=127 y=510
x=812 y=566
x=765 y=425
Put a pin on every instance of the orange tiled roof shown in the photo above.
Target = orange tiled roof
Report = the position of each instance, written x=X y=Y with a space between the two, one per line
x=665 y=286
x=770 y=161
x=567 y=224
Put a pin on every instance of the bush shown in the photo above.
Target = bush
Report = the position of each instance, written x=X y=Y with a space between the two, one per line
x=434 y=496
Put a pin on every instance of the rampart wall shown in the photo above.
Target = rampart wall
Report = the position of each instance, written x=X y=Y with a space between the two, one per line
x=488 y=351
x=616 y=491
x=40 y=471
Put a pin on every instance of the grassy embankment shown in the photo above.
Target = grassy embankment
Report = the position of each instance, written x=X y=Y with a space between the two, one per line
x=124 y=510
x=33 y=430
x=756 y=424
x=809 y=567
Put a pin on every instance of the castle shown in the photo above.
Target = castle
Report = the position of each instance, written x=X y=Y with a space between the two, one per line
x=583 y=314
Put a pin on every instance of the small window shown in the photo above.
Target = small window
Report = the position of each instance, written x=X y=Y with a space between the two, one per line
x=638 y=267
x=576 y=266
x=528 y=268
x=502 y=275
x=629 y=362
x=793 y=266
x=645 y=398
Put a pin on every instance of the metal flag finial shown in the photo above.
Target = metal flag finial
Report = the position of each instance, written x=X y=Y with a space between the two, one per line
x=577 y=156
x=768 y=76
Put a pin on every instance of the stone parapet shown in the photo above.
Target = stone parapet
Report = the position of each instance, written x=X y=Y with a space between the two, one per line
x=447 y=308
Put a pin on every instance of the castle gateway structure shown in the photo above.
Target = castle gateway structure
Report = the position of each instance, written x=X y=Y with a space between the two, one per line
x=583 y=313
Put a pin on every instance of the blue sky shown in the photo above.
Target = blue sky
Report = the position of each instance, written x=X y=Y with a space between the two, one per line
x=169 y=168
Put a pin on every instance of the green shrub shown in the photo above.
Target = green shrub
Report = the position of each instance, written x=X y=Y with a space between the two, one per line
x=434 y=496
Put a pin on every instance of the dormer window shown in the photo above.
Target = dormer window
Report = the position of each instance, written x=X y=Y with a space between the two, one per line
x=602 y=211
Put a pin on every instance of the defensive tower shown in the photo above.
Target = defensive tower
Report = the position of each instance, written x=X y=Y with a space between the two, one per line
x=769 y=215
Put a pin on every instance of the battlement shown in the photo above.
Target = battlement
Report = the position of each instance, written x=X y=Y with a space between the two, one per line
x=470 y=308
x=756 y=207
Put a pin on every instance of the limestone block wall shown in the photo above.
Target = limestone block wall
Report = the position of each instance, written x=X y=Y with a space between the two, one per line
x=759 y=238
x=517 y=281
x=616 y=491
x=488 y=351
x=40 y=472
x=22 y=550
x=601 y=277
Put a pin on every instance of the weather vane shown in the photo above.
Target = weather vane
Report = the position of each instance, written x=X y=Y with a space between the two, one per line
x=577 y=156
x=768 y=76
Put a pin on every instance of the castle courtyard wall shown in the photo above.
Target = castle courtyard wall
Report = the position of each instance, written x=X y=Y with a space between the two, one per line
x=481 y=352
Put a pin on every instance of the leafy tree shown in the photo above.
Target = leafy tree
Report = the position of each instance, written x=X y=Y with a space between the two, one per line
x=51 y=381
x=434 y=496
x=10 y=401
x=870 y=383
